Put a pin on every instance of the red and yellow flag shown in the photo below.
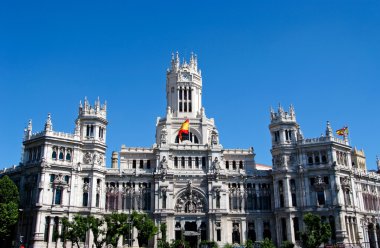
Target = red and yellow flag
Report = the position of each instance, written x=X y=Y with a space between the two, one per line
x=184 y=129
x=343 y=131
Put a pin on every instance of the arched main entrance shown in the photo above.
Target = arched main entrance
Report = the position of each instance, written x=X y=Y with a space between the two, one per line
x=191 y=206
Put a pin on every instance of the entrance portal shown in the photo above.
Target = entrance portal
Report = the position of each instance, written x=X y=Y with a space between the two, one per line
x=191 y=234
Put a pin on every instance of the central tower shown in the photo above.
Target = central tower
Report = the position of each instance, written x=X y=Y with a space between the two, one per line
x=184 y=87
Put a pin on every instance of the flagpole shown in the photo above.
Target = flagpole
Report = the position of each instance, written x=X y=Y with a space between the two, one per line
x=348 y=135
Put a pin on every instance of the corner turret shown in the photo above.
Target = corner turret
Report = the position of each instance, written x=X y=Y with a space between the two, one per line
x=92 y=121
x=283 y=126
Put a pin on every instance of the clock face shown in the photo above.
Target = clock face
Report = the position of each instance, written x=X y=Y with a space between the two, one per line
x=185 y=76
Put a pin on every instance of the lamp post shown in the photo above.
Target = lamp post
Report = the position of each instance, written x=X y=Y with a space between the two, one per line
x=130 y=221
x=21 y=238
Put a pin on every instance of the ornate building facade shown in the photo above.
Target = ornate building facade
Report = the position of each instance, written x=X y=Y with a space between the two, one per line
x=198 y=188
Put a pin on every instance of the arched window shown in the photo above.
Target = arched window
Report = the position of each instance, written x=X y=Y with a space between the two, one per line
x=316 y=159
x=68 y=157
x=324 y=159
x=190 y=137
x=60 y=155
x=310 y=160
x=54 y=155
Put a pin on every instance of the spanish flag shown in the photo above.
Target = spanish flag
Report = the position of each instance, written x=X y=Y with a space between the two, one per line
x=343 y=131
x=184 y=129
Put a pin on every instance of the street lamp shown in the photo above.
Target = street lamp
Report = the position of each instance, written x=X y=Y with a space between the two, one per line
x=21 y=238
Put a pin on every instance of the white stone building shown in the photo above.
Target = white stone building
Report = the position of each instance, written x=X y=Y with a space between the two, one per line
x=198 y=188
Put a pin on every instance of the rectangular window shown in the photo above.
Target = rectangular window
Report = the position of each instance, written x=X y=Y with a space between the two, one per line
x=281 y=201
x=148 y=164
x=218 y=235
x=296 y=228
x=92 y=131
x=52 y=177
x=180 y=106
x=183 y=162
x=46 y=233
x=141 y=164
x=58 y=196
x=180 y=94
x=85 y=199
x=294 y=200
x=321 y=197
x=134 y=164
x=164 y=200
x=284 y=231
x=97 y=200
x=190 y=110
x=218 y=200
x=203 y=162
x=184 y=107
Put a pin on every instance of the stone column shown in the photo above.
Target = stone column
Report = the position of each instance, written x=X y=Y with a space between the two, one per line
x=243 y=231
x=59 y=244
x=259 y=229
x=276 y=194
x=375 y=238
x=306 y=194
x=290 y=229
x=287 y=196
x=51 y=227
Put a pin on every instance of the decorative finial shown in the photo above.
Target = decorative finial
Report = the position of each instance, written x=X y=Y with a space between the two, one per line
x=30 y=125
x=28 y=131
x=299 y=133
x=280 y=109
x=292 y=111
x=329 y=131
x=48 y=124
x=272 y=114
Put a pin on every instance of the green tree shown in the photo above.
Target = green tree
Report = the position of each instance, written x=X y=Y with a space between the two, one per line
x=117 y=224
x=96 y=225
x=316 y=233
x=249 y=244
x=74 y=230
x=162 y=243
x=9 y=200
x=267 y=243
x=145 y=227
x=287 y=244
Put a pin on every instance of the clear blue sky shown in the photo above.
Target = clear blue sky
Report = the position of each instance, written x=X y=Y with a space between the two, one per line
x=321 y=56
